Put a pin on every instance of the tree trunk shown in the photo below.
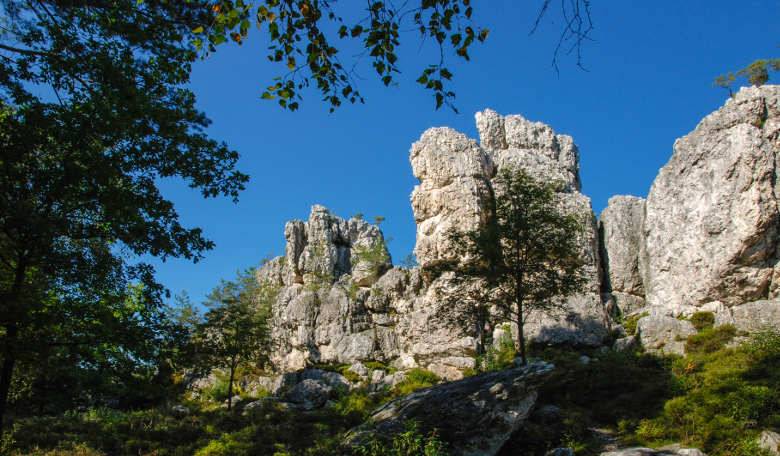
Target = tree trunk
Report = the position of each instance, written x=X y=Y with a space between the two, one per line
x=5 y=387
x=520 y=335
x=230 y=387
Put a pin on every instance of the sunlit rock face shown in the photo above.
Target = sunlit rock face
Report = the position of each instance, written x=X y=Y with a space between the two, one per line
x=456 y=175
x=710 y=231
x=620 y=236
x=331 y=305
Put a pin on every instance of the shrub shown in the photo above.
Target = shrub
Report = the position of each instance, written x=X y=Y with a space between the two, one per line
x=620 y=385
x=352 y=376
x=630 y=325
x=374 y=365
x=498 y=358
x=609 y=339
x=410 y=440
x=732 y=394
x=702 y=320
x=217 y=392
x=710 y=340
x=417 y=378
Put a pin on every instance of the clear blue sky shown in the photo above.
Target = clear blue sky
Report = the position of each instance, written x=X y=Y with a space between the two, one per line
x=649 y=81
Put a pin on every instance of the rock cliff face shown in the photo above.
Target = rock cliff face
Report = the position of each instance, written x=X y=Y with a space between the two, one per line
x=711 y=218
x=335 y=303
x=705 y=238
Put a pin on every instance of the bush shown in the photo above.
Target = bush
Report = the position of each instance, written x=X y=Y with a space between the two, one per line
x=732 y=394
x=619 y=385
x=499 y=358
x=417 y=378
x=710 y=340
x=218 y=392
x=702 y=320
x=409 y=441
x=630 y=325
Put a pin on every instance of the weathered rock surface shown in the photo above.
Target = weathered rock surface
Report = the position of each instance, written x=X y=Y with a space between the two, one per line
x=454 y=174
x=652 y=452
x=662 y=334
x=332 y=305
x=620 y=236
x=756 y=316
x=711 y=218
x=446 y=161
x=476 y=415
x=769 y=441
x=309 y=394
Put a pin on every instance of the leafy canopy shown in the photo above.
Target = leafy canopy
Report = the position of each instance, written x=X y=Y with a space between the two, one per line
x=93 y=112
x=233 y=331
x=524 y=259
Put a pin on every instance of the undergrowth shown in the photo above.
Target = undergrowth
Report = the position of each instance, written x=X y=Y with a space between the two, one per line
x=717 y=398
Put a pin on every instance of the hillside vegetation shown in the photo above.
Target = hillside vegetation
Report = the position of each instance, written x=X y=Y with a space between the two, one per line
x=718 y=399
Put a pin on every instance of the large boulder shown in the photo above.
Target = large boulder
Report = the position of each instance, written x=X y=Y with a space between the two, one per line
x=475 y=415
x=711 y=218
x=662 y=334
x=308 y=394
x=756 y=316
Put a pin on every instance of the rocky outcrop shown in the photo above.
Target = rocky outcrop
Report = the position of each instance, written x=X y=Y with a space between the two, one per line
x=475 y=415
x=456 y=175
x=664 y=335
x=756 y=316
x=337 y=298
x=711 y=219
x=308 y=394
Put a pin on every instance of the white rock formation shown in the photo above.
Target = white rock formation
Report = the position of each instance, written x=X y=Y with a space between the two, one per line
x=664 y=335
x=331 y=305
x=534 y=147
x=711 y=218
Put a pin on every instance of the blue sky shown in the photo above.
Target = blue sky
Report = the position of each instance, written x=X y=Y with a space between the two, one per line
x=648 y=82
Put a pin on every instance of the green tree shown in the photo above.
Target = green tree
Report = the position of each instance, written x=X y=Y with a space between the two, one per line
x=93 y=113
x=757 y=73
x=524 y=259
x=233 y=332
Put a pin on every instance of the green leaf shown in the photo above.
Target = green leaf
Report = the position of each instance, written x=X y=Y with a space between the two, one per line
x=197 y=30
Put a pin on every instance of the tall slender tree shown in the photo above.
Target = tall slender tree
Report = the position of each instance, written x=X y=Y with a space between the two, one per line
x=523 y=260
x=233 y=332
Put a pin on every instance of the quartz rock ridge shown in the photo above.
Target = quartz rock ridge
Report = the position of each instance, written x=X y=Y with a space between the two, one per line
x=338 y=299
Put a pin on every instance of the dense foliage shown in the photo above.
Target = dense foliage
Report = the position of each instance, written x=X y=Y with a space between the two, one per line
x=524 y=258
x=92 y=114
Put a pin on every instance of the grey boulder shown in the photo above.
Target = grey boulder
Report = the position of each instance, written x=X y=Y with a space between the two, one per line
x=476 y=415
x=308 y=394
